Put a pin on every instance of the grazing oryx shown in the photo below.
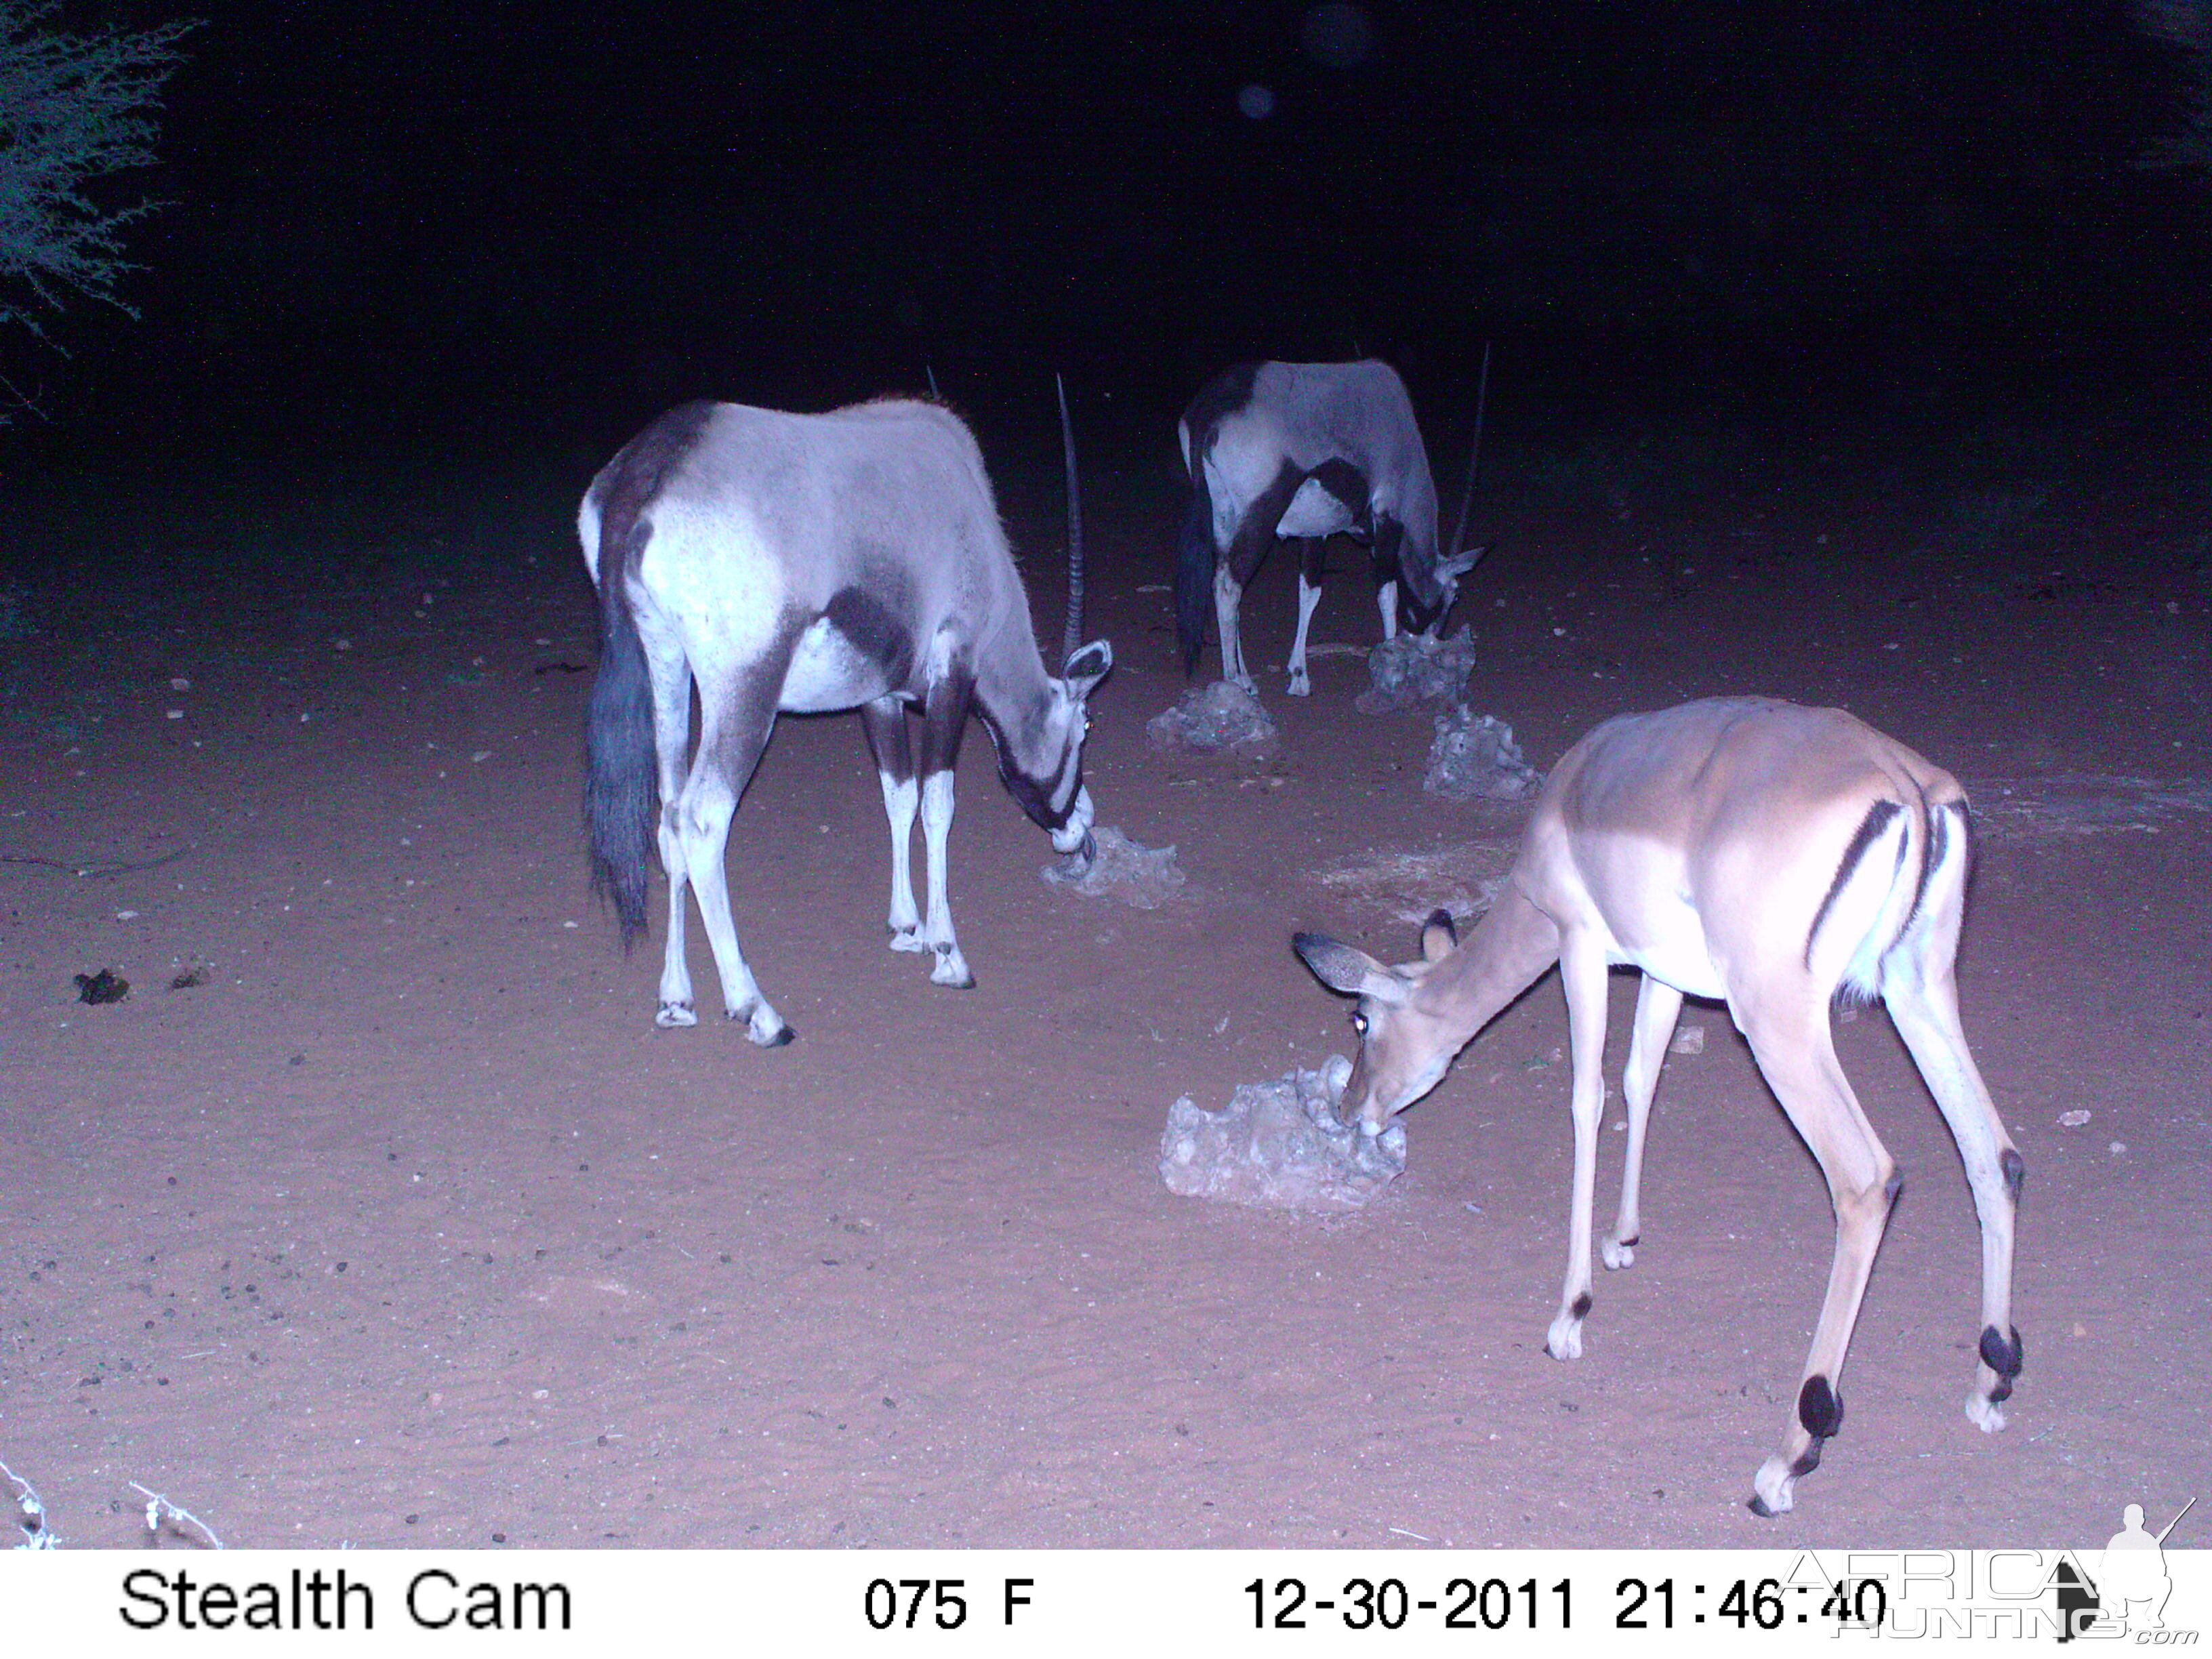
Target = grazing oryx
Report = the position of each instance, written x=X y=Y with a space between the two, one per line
x=1305 y=450
x=808 y=564
x=1779 y=858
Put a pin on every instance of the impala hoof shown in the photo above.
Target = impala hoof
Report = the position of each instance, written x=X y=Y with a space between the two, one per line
x=1300 y=685
x=1983 y=1412
x=952 y=968
x=1772 y=1491
x=909 y=938
x=1618 y=1254
x=675 y=1015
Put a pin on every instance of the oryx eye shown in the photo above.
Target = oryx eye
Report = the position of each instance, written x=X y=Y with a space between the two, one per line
x=1360 y=1024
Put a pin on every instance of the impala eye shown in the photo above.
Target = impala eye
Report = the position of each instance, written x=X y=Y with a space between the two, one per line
x=1360 y=1024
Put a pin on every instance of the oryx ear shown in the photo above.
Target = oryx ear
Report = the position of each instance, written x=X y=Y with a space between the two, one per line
x=1342 y=968
x=1439 y=937
x=1086 y=667
x=1451 y=569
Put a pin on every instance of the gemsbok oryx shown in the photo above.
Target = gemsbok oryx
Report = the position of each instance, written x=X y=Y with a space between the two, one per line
x=809 y=564
x=1776 y=857
x=1304 y=450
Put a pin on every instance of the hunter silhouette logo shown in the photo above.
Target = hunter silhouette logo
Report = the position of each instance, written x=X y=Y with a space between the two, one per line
x=2131 y=1584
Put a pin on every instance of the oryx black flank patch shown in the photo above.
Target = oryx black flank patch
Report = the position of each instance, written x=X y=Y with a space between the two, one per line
x=1869 y=830
x=1348 y=484
x=870 y=624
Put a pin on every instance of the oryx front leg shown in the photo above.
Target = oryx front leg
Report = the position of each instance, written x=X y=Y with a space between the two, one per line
x=944 y=720
x=1799 y=1060
x=1658 y=1005
x=1582 y=970
x=1309 y=573
x=1227 y=594
x=884 y=722
x=950 y=967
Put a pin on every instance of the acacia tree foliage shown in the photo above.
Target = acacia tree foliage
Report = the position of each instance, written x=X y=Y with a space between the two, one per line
x=73 y=110
x=2186 y=26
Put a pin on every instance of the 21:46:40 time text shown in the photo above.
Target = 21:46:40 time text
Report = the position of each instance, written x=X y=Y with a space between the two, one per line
x=1387 y=1604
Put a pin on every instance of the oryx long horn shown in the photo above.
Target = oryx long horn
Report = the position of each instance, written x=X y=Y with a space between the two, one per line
x=1073 y=638
x=1474 y=456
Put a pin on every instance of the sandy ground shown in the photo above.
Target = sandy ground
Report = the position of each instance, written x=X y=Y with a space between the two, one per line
x=403 y=1225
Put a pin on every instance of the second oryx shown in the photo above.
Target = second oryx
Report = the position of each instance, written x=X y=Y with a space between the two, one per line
x=1304 y=450
x=809 y=564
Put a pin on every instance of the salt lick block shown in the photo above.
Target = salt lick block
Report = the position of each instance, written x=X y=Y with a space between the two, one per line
x=1279 y=1146
x=1129 y=871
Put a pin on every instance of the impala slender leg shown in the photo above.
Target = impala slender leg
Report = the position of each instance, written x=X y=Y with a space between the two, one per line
x=1582 y=972
x=884 y=722
x=1658 y=1006
x=1386 y=601
x=1796 y=1051
x=1926 y=1013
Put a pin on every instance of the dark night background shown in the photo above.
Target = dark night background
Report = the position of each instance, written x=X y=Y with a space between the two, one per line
x=504 y=235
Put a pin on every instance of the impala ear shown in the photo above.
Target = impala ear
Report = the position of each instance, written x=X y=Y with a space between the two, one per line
x=1439 y=937
x=1086 y=667
x=1353 y=972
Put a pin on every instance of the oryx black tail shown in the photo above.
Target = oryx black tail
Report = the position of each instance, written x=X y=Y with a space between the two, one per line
x=1195 y=557
x=622 y=794
x=622 y=784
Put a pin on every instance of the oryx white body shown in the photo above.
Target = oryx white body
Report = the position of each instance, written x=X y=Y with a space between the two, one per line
x=1303 y=451
x=808 y=564
x=1771 y=856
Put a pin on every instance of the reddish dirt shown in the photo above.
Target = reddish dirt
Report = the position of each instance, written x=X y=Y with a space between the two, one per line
x=404 y=1227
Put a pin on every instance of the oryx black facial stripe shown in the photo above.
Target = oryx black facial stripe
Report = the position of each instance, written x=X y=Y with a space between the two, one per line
x=1869 y=830
x=1048 y=802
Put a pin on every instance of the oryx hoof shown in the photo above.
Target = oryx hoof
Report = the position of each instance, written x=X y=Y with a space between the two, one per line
x=908 y=938
x=1617 y=1254
x=952 y=968
x=764 y=1027
x=1565 y=1339
x=675 y=1015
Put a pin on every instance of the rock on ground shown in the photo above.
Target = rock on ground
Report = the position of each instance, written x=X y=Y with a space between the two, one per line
x=1413 y=668
x=1129 y=871
x=1222 y=715
x=1474 y=757
x=1279 y=1145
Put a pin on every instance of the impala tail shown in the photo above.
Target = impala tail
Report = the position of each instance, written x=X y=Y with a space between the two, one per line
x=1195 y=557
x=621 y=792
x=1913 y=857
